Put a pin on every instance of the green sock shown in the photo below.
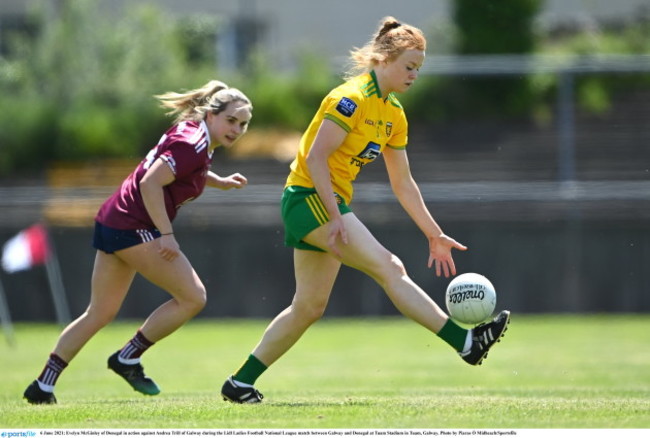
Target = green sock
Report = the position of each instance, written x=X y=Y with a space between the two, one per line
x=453 y=334
x=250 y=370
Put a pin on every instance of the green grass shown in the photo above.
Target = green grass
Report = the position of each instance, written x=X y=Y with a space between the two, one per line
x=549 y=372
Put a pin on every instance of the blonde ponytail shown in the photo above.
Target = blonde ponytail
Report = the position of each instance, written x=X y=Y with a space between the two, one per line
x=195 y=104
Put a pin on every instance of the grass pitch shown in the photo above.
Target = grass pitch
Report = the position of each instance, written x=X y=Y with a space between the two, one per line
x=587 y=372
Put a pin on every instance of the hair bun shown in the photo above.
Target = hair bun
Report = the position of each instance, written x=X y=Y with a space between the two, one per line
x=389 y=24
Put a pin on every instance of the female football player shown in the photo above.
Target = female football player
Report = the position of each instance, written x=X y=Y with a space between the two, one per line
x=355 y=124
x=133 y=233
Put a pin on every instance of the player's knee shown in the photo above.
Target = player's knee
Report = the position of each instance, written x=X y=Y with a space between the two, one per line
x=195 y=301
x=397 y=265
x=100 y=317
x=309 y=312
x=200 y=299
x=391 y=269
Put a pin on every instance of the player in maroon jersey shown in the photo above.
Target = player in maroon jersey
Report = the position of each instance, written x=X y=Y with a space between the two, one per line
x=134 y=234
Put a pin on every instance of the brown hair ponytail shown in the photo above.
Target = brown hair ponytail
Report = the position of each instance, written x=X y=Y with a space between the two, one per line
x=389 y=41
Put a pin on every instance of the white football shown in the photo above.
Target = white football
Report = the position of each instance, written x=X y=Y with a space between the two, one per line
x=470 y=298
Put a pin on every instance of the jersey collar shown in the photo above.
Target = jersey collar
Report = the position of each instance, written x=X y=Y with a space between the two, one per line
x=204 y=127
x=373 y=75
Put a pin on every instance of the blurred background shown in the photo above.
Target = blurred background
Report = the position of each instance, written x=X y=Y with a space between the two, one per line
x=529 y=136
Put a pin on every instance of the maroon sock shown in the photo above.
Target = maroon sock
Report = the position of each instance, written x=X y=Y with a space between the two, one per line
x=53 y=369
x=135 y=347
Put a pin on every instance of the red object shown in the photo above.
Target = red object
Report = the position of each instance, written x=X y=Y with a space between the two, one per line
x=28 y=248
x=37 y=240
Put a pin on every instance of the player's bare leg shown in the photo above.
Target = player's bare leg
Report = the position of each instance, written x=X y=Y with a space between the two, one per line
x=110 y=283
x=315 y=275
x=178 y=278
x=365 y=253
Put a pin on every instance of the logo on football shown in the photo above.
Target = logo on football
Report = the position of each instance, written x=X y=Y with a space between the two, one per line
x=470 y=298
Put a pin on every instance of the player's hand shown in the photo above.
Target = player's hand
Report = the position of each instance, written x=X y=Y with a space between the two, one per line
x=234 y=181
x=337 y=235
x=440 y=252
x=169 y=248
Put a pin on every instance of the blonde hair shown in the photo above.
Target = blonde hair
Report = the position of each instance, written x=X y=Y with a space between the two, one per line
x=391 y=40
x=195 y=104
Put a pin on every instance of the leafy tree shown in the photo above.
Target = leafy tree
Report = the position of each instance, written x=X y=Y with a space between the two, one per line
x=489 y=28
x=82 y=87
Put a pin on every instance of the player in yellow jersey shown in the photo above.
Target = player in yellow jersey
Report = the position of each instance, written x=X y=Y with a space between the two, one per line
x=371 y=123
x=356 y=123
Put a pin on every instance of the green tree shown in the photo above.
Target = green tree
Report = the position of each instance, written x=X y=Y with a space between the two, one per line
x=496 y=26
x=82 y=88
x=489 y=28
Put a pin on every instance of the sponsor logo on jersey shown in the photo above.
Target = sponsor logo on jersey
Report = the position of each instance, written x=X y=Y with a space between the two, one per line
x=371 y=152
x=346 y=106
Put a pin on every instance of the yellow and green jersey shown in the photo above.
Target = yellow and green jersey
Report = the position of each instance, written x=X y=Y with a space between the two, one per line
x=372 y=122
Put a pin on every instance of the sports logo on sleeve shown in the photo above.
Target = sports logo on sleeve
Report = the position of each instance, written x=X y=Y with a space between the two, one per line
x=167 y=157
x=346 y=106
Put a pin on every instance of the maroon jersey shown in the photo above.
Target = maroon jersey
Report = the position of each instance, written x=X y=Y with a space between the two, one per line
x=184 y=147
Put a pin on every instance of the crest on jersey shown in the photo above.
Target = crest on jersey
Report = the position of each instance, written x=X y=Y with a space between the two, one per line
x=389 y=128
x=371 y=152
x=346 y=106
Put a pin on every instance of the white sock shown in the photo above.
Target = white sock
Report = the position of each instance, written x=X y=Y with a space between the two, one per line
x=242 y=384
x=468 y=341
x=133 y=361
x=44 y=387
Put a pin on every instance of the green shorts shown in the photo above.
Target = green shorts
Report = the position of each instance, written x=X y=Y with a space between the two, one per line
x=303 y=212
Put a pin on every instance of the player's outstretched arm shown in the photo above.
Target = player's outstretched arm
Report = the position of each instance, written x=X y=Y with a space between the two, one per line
x=408 y=193
x=234 y=181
